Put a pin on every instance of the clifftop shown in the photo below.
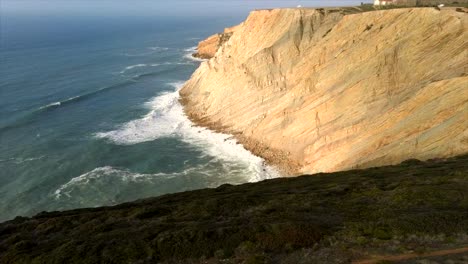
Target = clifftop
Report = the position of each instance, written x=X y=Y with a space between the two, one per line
x=315 y=90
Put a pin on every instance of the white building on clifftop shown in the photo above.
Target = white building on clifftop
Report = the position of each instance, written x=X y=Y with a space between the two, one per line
x=395 y=2
x=383 y=2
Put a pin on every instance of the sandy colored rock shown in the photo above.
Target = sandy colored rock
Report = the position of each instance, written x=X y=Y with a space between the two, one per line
x=319 y=91
x=207 y=48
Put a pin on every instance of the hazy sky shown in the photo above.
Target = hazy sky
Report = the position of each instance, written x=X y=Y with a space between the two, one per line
x=155 y=7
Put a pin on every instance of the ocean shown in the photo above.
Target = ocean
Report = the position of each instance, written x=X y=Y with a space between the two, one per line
x=89 y=102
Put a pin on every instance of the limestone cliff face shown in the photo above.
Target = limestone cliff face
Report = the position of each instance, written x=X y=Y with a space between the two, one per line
x=320 y=91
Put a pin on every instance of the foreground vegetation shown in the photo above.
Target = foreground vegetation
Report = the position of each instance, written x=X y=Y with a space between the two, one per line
x=414 y=207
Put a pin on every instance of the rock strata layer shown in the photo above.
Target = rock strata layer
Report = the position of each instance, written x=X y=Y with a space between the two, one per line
x=315 y=90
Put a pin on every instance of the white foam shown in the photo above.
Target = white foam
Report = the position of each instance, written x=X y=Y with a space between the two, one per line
x=167 y=119
x=108 y=185
x=152 y=51
x=182 y=63
x=97 y=174
x=72 y=98
x=138 y=54
x=50 y=105
x=133 y=67
x=191 y=49
x=189 y=54
x=158 y=48
x=55 y=104
x=153 y=65
x=177 y=63
x=22 y=160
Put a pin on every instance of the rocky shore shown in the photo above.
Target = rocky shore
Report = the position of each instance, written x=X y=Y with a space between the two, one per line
x=276 y=157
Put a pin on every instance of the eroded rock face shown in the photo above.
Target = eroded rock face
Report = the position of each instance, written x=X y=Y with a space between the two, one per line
x=319 y=91
x=207 y=48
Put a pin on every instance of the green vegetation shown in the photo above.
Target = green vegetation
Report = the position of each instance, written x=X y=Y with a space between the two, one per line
x=325 y=218
x=371 y=7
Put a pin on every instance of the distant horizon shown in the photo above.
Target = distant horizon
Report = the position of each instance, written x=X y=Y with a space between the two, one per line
x=150 y=8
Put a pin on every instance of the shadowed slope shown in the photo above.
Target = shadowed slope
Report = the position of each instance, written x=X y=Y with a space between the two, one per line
x=416 y=205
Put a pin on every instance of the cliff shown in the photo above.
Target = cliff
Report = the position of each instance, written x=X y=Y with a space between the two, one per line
x=321 y=90
x=387 y=212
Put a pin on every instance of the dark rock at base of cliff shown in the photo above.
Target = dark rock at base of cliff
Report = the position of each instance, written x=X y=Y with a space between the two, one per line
x=201 y=56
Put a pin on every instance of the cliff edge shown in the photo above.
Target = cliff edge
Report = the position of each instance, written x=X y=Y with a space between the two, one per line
x=319 y=90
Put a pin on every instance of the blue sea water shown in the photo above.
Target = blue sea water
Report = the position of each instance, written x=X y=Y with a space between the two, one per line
x=89 y=104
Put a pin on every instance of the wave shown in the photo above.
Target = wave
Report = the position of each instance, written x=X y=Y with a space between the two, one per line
x=133 y=67
x=189 y=54
x=124 y=83
x=51 y=105
x=21 y=160
x=167 y=119
x=191 y=49
x=152 y=51
x=141 y=76
x=158 y=48
x=84 y=96
x=138 y=54
x=54 y=105
x=128 y=68
x=98 y=173
x=127 y=82
x=60 y=103
x=130 y=80
x=138 y=66
x=109 y=185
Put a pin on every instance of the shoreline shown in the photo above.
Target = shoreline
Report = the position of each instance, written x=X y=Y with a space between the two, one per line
x=167 y=112
x=276 y=158
x=273 y=157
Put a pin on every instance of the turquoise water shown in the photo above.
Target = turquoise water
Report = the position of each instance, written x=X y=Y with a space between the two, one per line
x=89 y=103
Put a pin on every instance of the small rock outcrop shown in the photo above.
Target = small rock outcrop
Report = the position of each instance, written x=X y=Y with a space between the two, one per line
x=207 y=48
x=316 y=90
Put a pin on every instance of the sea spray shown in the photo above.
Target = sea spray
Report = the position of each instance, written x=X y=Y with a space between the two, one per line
x=189 y=54
x=167 y=119
x=106 y=185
